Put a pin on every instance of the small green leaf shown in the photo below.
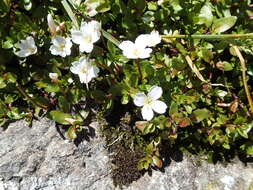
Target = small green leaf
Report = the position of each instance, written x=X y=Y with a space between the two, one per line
x=201 y=114
x=206 y=15
x=250 y=150
x=59 y=117
x=223 y=24
x=72 y=132
x=70 y=12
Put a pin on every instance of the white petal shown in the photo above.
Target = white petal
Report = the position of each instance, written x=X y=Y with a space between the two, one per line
x=94 y=71
x=140 y=99
x=142 y=40
x=51 y=24
x=58 y=40
x=22 y=53
x=77 y=36
x=154 y=39
x=147 y=112
x=86 y=47
x=155 y=92
x=84 y=78
x=30 y=41
x=159 y=106
x=75 y=68
x=53 y=76
x=54 y=50
x=126 y=45
x=145 y=53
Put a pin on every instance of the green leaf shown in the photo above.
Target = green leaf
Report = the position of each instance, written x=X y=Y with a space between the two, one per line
x=72 y=132
x=206 y=15
x=64 y=104
x=201 y=114
x=59 y=117
x=70 y=12
x=250 y=150
x=223 y=24
x=227 y=66
x=109 y=37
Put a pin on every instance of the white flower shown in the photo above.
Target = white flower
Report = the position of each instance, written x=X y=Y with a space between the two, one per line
x=88 y=34
x=91 y=7
x=61 y=46
x=70 y=80
x=150 y=102
x=160 y=2
x=51 y=24
x=84 y=69
x=136 y=50
x=27 y=47
x=153 y=39
x=53 y=76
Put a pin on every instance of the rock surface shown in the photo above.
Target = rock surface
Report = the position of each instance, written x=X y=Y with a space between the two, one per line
x=38 y=158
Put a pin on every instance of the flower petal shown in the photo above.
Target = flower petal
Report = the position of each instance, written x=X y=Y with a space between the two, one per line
x=155 y=92
x=51 y=24
x=86 y=47
x=147 y=112
x=142 y=40
x=140 y=99
x=75 y=68
x=77 y=36
x=145 y=53
x=126 y=45
x=154 y=38
x=159 y=106
x=22 y=53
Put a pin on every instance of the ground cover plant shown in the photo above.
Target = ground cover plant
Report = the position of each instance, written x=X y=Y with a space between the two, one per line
x=171 y=72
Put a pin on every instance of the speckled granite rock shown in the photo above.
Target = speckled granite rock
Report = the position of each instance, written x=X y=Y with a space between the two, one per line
x=190 y=174
x=38 y=158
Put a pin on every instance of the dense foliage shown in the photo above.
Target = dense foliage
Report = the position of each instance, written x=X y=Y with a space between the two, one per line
x=72 y=59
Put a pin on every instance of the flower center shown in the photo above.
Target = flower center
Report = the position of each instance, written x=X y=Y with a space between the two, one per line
x=84 y=70
x=31 y=50
x=148 y=101
x=62 y=47
x=136 y=52
x=87 y=39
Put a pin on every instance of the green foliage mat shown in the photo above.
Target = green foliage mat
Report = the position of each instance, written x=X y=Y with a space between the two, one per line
x=174 y=72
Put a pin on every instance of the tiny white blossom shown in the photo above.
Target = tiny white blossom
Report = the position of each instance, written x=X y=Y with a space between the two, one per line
x=160 y=2
x=53 y=76
x=51 y=24
x=70 y=80
x=27 y=47
x=150 y=102
x=84 y=69
x=91 y=7
x=135 y=50
x=88 y=34
x=61 y=46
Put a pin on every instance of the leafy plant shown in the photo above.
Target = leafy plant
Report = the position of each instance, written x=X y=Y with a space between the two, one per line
x=73 y=57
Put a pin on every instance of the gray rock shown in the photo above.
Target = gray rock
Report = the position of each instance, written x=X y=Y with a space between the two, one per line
x=38 y=158
x=190 y=174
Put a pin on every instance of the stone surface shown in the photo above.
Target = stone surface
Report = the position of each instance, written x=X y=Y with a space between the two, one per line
x=38 y=158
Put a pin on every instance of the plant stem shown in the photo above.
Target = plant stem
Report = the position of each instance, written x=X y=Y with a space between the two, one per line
x=244 y=77
x=22 y=92
x=139 y=68
x=209 y=36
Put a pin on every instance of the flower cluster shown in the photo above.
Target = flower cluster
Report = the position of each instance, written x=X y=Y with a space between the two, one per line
x=85 y=37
